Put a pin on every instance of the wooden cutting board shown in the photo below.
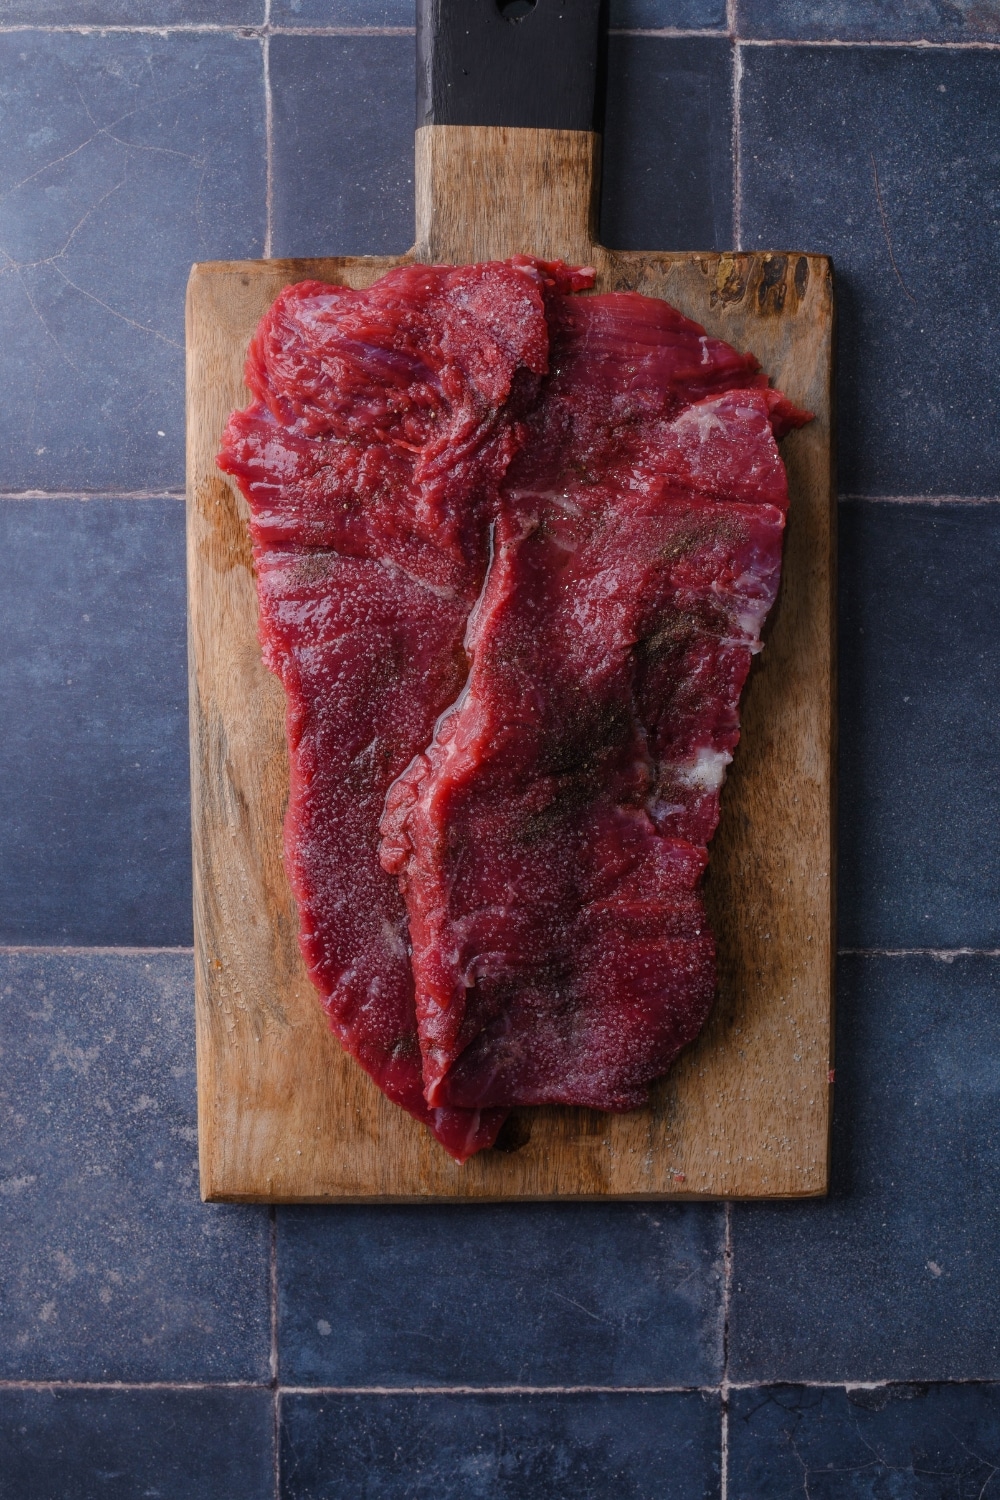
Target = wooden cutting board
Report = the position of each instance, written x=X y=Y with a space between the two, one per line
x=284 y=1114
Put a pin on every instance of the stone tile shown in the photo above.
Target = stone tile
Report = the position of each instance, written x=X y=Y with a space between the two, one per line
x=562 y=1447
x=174 y=1445
x=877 y=156
x=343 y=13
x=919 y=725
x=894 y=1277
x=921 y=1442
x=96 y=845
x=110 y=1266
x=667 y=180
x=131 y=12
x=870 y=20
x=673 y=14
x=124 y=158
x=343 y=144
x=680 y=15
x=581 y=1294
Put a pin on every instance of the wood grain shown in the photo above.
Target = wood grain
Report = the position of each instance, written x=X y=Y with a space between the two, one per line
x=284 y=1114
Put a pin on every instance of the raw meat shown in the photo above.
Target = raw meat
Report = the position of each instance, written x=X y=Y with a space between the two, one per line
x=382 y=423
x=551 y=839
x=583 y=498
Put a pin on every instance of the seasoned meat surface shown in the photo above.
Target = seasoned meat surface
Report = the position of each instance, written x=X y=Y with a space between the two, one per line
x=514 y=548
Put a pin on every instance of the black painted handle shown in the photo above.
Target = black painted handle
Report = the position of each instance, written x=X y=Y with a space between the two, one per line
x=527 y=63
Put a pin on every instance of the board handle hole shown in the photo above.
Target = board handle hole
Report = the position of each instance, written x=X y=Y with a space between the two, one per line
x=515 y=10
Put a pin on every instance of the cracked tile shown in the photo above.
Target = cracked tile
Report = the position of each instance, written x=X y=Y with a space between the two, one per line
x=568 y=1447
x=96 y=846
x=124 y=158
x=922 y=1441
x=111 y=1268
x=576 y=1294
x=887 y=159
x=894 y=1276
x=174 y=1445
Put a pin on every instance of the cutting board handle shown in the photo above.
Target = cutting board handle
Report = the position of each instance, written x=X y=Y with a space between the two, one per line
x=507 y=146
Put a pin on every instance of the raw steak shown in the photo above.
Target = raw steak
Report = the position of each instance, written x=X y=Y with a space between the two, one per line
x=382 y=423
x=602 y=539
x=551 y=839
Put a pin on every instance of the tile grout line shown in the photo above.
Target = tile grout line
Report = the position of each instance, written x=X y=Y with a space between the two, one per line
x=498 y=1390
x=670 y=33
x=919 y=44
x=737 y=145
x=923 y=499
x=273 y=1297
x=343 y=31
x=243 y=33
x=98 y=949
x=132 y=1385
x=493 y=1390
x=249 y=33
x=727 y=1291
x=943 y=955
x=92 y=495
x=268 y=132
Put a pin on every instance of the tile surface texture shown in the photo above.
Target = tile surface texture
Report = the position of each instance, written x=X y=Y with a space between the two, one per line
x=935 y=1442
x=888 y=159
x=132 y=12
x=870 y=20
x=95 y=847
x=110 y=1267
x=135 y=1445
x=919 y=862
x=343 y=144
x=394 y=13
x=687 y=15
x=571 y=1447
x=572 y=1295
x=124 y=158
x=894 y=1276
x=667 y=155
x=680 y=15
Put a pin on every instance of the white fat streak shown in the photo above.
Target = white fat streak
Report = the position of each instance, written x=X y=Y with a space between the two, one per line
x=707 y=770
x=703 y=418
x=394 y=940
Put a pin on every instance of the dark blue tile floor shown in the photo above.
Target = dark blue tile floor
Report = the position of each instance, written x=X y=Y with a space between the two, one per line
x=865 y=153
x=153 y=1346
x=123 y=158
x=576 y=1295
x=502 y=1447
x=893 y=1277
x=919 y=725
x=96 y=847
x=66 y=1444
x=921 y=1442
x=110 y=1267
